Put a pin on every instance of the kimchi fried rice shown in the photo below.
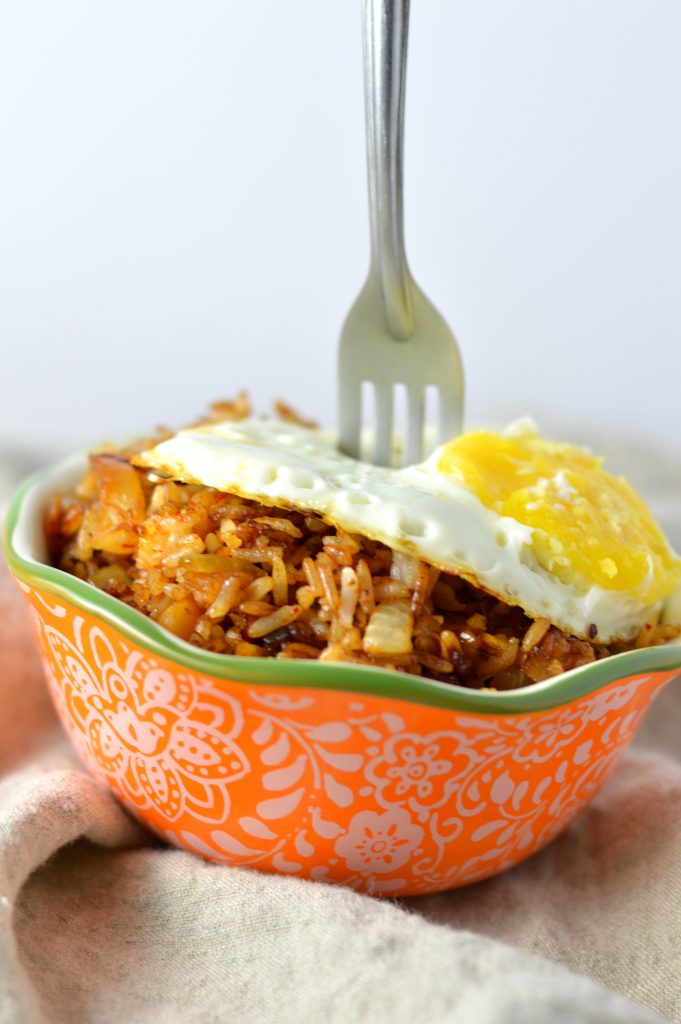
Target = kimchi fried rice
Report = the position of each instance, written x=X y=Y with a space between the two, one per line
x=238 y=577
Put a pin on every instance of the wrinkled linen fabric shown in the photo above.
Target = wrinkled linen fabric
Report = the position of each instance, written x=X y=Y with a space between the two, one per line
x=101 y=925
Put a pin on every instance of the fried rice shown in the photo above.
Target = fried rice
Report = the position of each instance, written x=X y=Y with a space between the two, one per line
x=238 y=577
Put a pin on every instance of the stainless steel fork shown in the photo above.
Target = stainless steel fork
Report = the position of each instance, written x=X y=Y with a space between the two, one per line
x=393 y=334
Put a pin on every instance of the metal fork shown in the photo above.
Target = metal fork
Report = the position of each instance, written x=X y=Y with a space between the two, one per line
x=393 y=334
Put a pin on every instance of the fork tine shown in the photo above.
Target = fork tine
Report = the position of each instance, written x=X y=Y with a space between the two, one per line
x=449 y=417
x=349 y=416
x=414 y=439
x=383 y=432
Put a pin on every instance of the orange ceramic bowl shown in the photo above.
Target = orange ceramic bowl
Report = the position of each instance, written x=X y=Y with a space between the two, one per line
x=388 y=783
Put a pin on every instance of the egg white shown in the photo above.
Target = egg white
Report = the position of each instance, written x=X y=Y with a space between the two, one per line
x=416 y=510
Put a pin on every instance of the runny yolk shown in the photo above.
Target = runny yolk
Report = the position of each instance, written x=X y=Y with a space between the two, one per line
x=588 y=527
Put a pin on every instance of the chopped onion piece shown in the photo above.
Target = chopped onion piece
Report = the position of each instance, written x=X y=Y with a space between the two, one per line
x=405 y=568
x=389 y=629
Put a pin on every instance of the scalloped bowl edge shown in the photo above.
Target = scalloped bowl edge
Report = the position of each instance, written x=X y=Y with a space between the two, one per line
x=387 y=783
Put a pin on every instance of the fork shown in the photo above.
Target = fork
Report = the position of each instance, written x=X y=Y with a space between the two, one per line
x=393 y=335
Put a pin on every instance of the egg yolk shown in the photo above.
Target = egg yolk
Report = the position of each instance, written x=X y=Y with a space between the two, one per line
x=588 y=527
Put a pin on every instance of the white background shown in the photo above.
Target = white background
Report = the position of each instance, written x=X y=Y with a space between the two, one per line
x=183 y=211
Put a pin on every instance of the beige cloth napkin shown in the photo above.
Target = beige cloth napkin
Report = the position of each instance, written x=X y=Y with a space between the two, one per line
x=99 y=925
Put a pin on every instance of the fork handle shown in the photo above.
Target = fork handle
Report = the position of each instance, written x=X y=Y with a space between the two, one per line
x=386 y=25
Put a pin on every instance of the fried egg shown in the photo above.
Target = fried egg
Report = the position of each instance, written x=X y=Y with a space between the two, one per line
x=538 y=524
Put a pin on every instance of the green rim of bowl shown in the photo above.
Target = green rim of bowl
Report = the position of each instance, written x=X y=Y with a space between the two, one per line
x=313 y=675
